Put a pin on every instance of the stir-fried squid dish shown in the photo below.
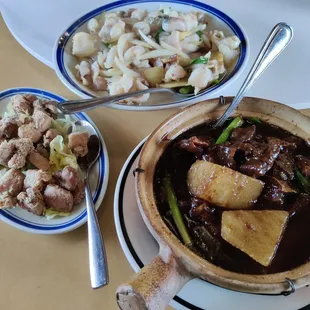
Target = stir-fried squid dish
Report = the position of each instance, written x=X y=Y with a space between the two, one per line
x=39 y=159
x=129 y=51
x=239 y=195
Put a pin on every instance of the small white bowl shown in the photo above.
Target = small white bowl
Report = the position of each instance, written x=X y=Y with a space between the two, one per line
x=65 y=62
x=99 y=176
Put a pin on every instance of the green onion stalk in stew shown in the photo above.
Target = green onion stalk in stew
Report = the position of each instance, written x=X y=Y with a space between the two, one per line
x=303 y=182
x=175 y=211
x=254 y=120
x=235 y=123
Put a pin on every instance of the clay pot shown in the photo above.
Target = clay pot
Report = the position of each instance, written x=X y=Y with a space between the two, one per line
x=155 y=285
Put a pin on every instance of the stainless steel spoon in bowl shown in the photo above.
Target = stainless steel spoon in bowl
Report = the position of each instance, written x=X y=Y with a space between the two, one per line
x=99 y=275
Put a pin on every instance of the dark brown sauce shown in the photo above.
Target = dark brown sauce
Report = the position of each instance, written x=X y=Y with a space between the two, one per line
x=294 y=247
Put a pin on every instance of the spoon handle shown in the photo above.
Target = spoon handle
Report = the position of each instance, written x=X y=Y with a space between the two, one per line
x=276 y=42
x=75 y=106
x=98 y=266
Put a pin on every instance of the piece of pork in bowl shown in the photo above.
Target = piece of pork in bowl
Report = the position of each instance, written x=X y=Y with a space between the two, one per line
x=227 y=205
x=118 y=48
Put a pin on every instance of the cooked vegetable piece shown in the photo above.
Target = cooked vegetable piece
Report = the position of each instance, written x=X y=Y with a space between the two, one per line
x=154 y=75
x=174 y=84
x=186 y=90
x=157 y=33
x=184 y=34
x=256 y=233
x=235 y=123
x=199 y=33
x=223 y=186
x=217 y=81
x=175 y=211
x=200 y=60
x=254 y=120
x=217 y=56
x=304 y=183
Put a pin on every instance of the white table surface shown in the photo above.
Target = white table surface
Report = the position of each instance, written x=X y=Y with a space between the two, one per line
x=36 y=24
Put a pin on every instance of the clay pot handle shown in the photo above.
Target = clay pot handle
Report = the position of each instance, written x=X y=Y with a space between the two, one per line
x=155 y=285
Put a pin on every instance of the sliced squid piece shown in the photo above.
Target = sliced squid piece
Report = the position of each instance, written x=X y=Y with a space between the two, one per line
x=120 y=85
x=83 y=44
x=84 y=72
x=174 y=73
x=191 y=43
x=110 y=63
x=93 y=25
x=174 y=24
x=200 y=78
x=229 y=54
x=133 y=54
x=190 y=20
x=140 y=86
x=123 y=44
x=173 y=39
x=101 y=58
x=139 y=14
x=143 y=26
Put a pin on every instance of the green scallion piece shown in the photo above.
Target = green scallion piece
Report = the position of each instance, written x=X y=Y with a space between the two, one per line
x=200 y=60
x=235 y=123
x=175 y=211
x=254 y=120
x=303 y=182
x=186 y=90
x=200 y=33
x=157 y=33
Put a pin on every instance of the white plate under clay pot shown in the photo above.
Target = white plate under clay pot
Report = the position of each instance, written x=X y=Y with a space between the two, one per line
x=140 y=248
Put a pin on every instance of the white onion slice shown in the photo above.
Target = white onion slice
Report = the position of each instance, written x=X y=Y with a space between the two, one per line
x=111 y=72
x=174 y=50
x=157 y=53
x=141 y=43
x=121 y=44
x=122 y=66
x=148 y=40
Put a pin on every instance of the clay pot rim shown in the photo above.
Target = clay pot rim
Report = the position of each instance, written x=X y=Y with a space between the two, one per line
x=242 y=282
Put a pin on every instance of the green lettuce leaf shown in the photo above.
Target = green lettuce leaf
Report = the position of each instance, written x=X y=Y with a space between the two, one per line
x=50 y=213
x=60 y=154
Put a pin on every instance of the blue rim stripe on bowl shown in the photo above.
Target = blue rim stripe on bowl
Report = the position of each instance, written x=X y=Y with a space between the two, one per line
x=195 y=4
x=16 y=219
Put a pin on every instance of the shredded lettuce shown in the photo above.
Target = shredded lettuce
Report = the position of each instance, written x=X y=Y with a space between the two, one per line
x=60 y=154
x=10 y=112
x=50 y=213
x=62 y=125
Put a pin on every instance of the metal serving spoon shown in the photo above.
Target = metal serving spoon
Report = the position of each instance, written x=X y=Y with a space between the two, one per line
x=98 y=266
x=74 y=106
x=278 y=39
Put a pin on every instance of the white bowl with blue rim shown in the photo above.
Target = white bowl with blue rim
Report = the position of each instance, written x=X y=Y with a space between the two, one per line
x=65 y=62
x=99 y=176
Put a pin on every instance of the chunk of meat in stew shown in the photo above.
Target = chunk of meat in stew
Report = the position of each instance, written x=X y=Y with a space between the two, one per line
x=243 y=134
x=283 y=167
x=259 y=166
